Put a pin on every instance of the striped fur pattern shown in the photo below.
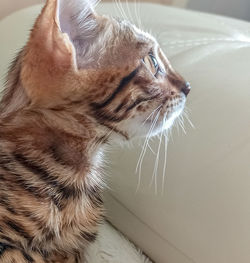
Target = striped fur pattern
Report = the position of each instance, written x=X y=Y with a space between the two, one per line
x=81 y=82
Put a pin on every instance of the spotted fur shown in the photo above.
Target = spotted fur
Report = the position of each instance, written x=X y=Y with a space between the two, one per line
x=82 y=81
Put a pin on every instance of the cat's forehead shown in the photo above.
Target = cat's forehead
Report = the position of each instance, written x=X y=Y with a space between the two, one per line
x=128 y=41
x=136 y=34
x=115 y=42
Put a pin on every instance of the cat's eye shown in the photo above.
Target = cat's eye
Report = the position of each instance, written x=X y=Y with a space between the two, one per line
x=152 y=64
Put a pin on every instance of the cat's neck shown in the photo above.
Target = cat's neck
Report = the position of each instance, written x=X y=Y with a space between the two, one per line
x=67 y=142
x=56 y=158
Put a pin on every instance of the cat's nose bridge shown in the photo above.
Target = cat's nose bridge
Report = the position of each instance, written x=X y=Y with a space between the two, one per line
x=179 y=83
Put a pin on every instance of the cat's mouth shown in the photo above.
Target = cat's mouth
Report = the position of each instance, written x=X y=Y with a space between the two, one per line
x=166 y=115
x=173 y=112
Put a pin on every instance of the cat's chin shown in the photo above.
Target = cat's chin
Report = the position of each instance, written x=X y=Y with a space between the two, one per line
x=170 y=121
x=160 y=126
x=142 y=127
x=150 y=129
x=164 y=124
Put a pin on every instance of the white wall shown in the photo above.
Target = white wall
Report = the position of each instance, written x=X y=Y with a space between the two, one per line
x=234 y=8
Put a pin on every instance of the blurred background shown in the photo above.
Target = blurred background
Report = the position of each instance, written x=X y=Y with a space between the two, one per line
x=234 y=8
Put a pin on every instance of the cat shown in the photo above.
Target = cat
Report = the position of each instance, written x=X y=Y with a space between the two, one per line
x=82 y=81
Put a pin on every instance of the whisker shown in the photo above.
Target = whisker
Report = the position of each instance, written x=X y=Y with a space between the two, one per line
x=118 y=8
x=147 y=139
x=154 y=177
x=123 y=11
x=151 y=114
x=165 y=161
x=144 y=149
x=137 y=14
x=106 y=136
x=182 y=124
x=150 y=148
x=185 y=114
x=129 y=12
x=118 y=5
x=177 y=124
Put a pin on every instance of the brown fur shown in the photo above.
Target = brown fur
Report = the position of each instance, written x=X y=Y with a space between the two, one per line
x=55 y=119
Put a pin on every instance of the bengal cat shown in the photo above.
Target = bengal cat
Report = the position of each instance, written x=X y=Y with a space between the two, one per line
x=83 y=80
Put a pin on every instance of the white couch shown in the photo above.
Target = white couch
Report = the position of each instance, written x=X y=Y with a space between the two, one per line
x=203 y=215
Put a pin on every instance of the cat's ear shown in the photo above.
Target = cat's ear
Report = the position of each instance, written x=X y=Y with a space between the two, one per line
x=51 y=52
x=66 y=28
x=77 y=19
x=49 y=40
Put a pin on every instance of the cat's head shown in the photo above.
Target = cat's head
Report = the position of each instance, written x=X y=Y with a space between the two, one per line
x=103 y=67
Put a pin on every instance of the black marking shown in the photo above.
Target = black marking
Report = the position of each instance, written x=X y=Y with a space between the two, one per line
x=31 y=217
x=27 y=257
x=48 y=233
x=60 y=190
x=90 y=237
x=39 y=193
x=102 y=140
x=122 y=84
x=56 y=156
x=110 y=127
x=36 y=169
x=5 y=160
x=77 y=256
x=120 y=106
x=4 y=247
x=102 y=116
x=140 y=100
x=9 y=240
x=35 y=191
x=42 y=252
x=94 y=195
x=17 y=228
x=5 y=202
